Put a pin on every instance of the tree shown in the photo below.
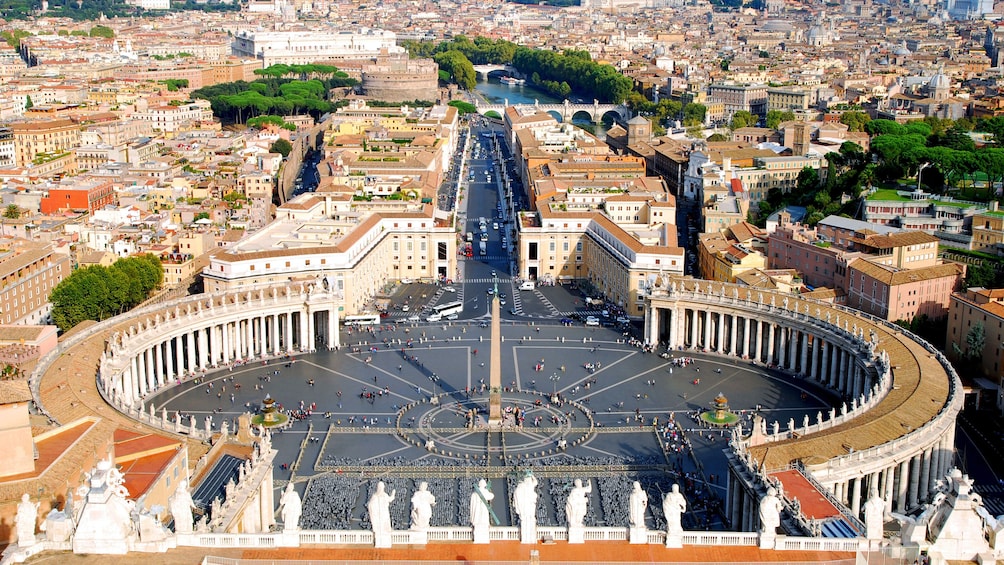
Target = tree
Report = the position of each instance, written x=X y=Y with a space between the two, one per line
x=718 y=137
x=102 y=31
x=27 y=102
x=976 y=339
x=776 y=117
x=96 y=293
x=742 y=119
x=854 y=120
x=282 y=147
x=12 y=212
x=463 y=107
x=693 y=114
x=981 y=275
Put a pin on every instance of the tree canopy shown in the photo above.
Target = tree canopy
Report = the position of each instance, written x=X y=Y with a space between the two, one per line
x=96 y=293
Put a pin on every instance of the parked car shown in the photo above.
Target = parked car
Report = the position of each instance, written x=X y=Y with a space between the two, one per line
x=452 y=317
x=406 y=281
x=449 y=289
x=592 y=321
x=623 y=320
x=413 y=318
x=434 y=318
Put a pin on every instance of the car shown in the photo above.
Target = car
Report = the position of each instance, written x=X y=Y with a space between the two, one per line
x=491 y=291
x=405 y=308
x=434 y=318
x=493 y=274
x=566 y=321
x=605 y=313
x=413 y=318
x=513 y=312
x=623 y=320
x=406 y=281
x=502 y=295
x=449 y=289
x=452 y=317
x=592 y=321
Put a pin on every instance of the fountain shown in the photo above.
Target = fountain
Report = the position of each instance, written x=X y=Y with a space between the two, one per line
x=721 y=416
x=269 y=415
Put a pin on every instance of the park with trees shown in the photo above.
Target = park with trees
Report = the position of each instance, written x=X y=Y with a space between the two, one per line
x=282 y=90
x=97 y=292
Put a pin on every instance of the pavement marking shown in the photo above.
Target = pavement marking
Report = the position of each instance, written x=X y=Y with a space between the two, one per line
x=388 y=452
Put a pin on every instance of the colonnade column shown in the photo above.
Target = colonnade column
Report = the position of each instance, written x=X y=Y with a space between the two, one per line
x=139 y=370
x=275 y=335
x=720 y=346
x=707 y=331
x=732 y=334
x=249 y=342
x=782 y=346
x=179 y=355
x=651 y=331
x=694 y=316
x=914 y=481
x=288 y=338
x=842 y=377
x=856 y=497
x=759 y=340
x=673 y=329
x=803 y=342
x=304 y=343
x=814 y=369
x=204 y=355
x=225 y=341
x=904 y=479
x=925 y=474
x=746 y=337
x=333 y=328
x=835 y=353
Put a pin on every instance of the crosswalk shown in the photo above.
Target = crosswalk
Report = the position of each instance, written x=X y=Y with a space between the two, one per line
x=504 y=279
x=488 y=257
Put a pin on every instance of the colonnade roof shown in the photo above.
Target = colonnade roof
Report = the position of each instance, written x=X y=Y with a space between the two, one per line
x=921 y=386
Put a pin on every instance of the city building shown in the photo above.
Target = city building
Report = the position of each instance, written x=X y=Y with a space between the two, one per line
x=750 y=98
x=304 y=47
x=28 y=273
x=356 y=246
x=50 y=137
x=727 y=254
x=972 y=310
x=562 y=246
x=79 y=195
x=893 y=293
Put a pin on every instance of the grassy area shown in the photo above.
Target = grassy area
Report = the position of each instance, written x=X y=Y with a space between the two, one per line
x=887 y=194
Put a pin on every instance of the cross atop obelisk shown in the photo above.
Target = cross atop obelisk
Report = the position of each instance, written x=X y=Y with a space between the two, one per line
x=495 y=364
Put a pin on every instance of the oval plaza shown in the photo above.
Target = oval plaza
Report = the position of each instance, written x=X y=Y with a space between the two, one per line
x=890 y=435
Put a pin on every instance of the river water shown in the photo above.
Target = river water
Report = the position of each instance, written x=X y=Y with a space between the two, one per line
x=498 y=93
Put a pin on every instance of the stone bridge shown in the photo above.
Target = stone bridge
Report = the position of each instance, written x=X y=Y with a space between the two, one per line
x=566 y=111
x=484 y=70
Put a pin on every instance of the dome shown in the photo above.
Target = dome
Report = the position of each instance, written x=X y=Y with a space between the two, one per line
x=939 y=81
x=901 y=51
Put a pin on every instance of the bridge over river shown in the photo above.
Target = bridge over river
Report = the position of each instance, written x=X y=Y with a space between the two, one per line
x=565 y=112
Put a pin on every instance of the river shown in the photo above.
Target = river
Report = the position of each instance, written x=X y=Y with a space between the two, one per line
x=498 y=93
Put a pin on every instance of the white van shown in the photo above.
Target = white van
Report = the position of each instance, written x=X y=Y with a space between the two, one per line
x=526 y=285
x=434 y=318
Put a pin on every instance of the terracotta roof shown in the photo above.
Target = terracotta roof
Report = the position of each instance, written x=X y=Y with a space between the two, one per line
x=12 y=392
x=892 y=276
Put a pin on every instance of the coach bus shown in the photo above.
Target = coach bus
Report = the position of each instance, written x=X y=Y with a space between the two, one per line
x=449 y=308
x=362 y=320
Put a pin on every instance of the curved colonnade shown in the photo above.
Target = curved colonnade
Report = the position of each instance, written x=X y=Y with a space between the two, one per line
x=894 y=431
x=186 y=338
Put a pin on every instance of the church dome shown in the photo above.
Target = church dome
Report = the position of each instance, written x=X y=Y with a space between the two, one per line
x=940 y=81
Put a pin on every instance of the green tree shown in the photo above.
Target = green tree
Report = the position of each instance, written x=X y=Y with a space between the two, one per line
x=776 y=117
x=742 y=119
x=282 y=147
x=981 y=275
x=463 y=107
x=694 y=114
x=12 y=212
x=976 y=339
x=718 y=137
x=854 y=120
x=27 y=102
x=102 y=31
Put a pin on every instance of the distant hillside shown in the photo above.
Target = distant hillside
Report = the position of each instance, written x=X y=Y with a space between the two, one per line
x=82 y=10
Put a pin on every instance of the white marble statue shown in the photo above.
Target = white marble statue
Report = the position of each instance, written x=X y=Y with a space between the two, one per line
x=379 y=509
x=524 y=500
x=874 y=514
x=673 y=506
x=480 y=500
x=181 y=506
x=290 y=508
x=637 y=504
x=480 y=509
x=577 y=503
x=27 y=516
x=770 y=512
x=421 y=507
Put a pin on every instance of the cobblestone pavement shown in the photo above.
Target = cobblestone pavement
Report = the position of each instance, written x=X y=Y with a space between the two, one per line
x=369 y=405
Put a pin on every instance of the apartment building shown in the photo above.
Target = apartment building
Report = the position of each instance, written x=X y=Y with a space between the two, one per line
x=758 y=171
x=786 y=98
x=978 y=306
x=48 y=137
x=27 y=276
x=727 y=254
x=894 y=293
x=357 y=249
x=561 y=246
x=81 y=194
x=171 y=119
x=751 y=98
x=988 y=230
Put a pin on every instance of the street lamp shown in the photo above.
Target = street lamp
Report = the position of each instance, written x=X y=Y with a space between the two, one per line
x=554 y=389
x=920 y=170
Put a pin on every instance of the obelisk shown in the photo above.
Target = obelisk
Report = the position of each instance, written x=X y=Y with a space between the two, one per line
x=495 y=365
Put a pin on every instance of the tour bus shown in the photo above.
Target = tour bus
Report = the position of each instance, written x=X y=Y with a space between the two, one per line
x=362 y=320
x=448 y=308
